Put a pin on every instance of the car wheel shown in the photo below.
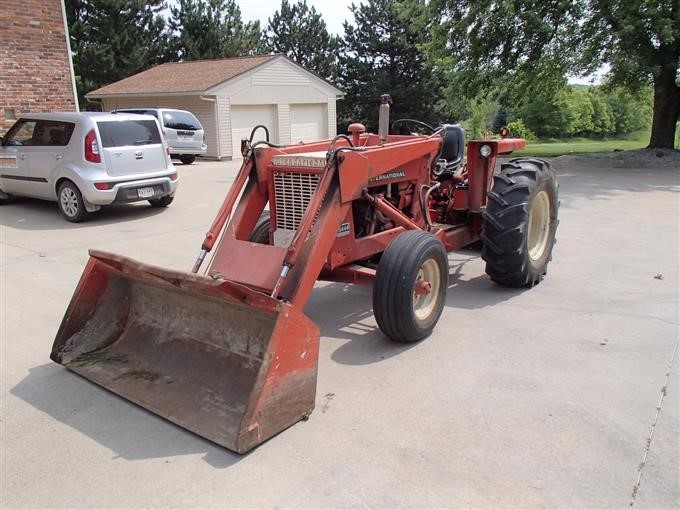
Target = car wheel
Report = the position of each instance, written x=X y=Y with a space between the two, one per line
x=162 y=202
x=188 y=159
x=71 y=202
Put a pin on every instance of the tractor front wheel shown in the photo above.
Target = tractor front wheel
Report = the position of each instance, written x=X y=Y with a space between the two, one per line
x=260 y=233
x=410 y=286
x=520 y=222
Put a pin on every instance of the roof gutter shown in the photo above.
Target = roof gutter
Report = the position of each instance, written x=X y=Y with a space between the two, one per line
x=100 y=102
x=70 y=55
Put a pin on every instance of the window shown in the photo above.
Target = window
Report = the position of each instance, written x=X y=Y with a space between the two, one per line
x=21 y=133
x=181 y=120
x=128 y=132
x=53 y=133
x=40 y=133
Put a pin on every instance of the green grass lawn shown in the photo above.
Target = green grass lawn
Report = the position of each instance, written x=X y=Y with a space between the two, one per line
x=582 y=146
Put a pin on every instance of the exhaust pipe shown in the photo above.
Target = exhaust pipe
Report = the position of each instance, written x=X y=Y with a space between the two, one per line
x=384 y=117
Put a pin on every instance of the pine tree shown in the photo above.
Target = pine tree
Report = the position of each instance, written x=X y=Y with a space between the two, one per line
x=384 y=54
x=299 y=32
x=207 y=29
x=113 y=39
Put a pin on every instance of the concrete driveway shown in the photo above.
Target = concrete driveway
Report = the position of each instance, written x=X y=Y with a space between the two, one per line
x=521 y=398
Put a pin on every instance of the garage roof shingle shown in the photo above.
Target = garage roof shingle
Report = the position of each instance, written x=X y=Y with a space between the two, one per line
x=191 y=76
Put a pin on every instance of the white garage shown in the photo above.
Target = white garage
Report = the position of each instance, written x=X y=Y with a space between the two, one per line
x=245 y=117
x=231 y=96
x=308 y=122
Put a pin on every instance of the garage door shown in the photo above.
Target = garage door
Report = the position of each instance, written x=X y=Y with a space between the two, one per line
x=245 y=118
x=308 y=122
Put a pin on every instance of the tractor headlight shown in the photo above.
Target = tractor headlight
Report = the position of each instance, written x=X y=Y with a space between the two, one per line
x=485 y=151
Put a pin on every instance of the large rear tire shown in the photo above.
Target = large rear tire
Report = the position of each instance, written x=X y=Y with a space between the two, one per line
x=520 y=223
x=410 y=286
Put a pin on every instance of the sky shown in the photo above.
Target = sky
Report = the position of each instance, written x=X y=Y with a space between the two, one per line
x=334 y=12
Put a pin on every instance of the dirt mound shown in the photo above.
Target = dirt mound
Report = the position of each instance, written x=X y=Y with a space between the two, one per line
x=640 y=158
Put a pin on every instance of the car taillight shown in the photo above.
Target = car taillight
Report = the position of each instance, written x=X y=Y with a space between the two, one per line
x=102 y=185
x=173 y=177
x=92 y=148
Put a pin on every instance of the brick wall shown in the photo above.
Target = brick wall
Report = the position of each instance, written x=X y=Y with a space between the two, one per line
x=35 y=72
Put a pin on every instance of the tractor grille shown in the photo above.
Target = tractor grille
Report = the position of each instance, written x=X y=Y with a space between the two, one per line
x=293 y=192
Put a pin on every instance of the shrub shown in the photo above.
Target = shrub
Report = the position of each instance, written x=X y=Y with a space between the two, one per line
x=519 y=130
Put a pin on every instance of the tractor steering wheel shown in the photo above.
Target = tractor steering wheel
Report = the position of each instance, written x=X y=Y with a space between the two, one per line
x=412 y=121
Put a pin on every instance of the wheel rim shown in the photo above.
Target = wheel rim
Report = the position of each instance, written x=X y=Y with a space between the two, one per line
x=539 y=225
x=425 y=304
x=69 y=201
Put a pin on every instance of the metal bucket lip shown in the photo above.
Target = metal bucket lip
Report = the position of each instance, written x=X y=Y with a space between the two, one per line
x=210 y=286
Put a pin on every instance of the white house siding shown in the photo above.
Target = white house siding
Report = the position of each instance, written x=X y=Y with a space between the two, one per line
x=224 y=126
x=308 y=122
x=204 y=111
x=332 y=121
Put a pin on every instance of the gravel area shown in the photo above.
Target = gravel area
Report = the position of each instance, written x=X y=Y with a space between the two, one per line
x=640 y=158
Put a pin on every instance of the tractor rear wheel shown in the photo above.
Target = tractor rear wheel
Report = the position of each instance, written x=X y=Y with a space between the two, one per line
x=520 y=222
x=260 y=233
x=410 y=286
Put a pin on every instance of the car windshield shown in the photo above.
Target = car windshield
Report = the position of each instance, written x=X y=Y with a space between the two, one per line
x=124 y=133
x=181 y=120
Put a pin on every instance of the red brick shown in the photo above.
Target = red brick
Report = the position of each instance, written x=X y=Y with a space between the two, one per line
x=35 y=73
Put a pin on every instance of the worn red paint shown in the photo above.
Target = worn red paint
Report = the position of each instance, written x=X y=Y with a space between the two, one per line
x=231 y=355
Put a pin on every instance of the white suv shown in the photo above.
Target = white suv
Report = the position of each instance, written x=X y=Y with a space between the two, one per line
x=183 y=131
x=86 y=160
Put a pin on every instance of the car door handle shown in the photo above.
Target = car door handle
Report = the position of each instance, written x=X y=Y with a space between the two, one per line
x=58 y=156
x=22 y=156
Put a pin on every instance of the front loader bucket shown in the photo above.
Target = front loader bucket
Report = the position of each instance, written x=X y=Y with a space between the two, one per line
x=215 y=357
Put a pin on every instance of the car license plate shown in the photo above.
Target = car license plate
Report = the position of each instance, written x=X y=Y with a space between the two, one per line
x=145 y=192
x=185 y=134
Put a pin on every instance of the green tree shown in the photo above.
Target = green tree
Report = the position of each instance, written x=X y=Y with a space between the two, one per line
x=579 y=101
x=383 y=54
x=482 y=112
x=550 y=114
x=528 y=45
x=207 y=29
x=299 y=32
x=630 y=111
x=113 y=39
x=602 y=118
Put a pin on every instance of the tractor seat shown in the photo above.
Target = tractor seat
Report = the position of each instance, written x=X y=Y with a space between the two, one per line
x=454 y=145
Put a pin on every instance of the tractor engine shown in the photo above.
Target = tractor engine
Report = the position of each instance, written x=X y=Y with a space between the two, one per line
x=436 y=199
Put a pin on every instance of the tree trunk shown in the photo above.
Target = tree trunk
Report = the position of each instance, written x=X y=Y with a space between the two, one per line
x=666 y=110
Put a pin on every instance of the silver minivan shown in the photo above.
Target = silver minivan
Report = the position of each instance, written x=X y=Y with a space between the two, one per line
x=183 y=131
x=86 y=160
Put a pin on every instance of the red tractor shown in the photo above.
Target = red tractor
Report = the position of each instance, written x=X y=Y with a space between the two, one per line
x=229 y=354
